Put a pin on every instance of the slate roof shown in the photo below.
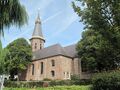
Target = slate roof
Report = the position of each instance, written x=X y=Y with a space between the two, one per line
x=71 y=50
x=37 y=30
x=55 y=50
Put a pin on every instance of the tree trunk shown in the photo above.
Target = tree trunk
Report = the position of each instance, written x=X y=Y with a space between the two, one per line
x=2 y=77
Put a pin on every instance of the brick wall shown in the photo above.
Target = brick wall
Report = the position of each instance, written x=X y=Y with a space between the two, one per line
x=62 y=69
x=38 y=43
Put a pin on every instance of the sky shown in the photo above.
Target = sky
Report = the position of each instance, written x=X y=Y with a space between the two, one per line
x=60 y=24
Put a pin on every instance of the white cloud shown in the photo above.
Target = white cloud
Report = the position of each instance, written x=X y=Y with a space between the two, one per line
x=61 y=20
x=70 y=18
x=70 y=43
x=32 y=26
x=51 y=17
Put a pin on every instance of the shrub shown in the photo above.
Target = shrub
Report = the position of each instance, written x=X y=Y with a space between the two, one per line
x=61 y=82
x=107 y=81
x=46 y=79
x=71 y=82
x=16 y=84
x=75 y=77
x=83 y=82
x=33 y=84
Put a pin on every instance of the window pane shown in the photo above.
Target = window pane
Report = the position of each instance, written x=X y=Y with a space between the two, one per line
x=32 y=69
x=40 y=46
x=41 y=67
x=53 y=73
x=53 y=62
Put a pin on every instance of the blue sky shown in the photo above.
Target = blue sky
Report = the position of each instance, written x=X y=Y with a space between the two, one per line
x=59 y=23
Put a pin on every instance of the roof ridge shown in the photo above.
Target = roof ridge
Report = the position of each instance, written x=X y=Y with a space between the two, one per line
x=54 y=50
x=70 y=45
x=57 y=44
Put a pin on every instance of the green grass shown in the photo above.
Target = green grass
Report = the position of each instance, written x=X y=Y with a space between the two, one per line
x=54 y=88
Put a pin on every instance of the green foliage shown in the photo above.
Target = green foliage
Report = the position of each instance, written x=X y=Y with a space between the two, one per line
x=19 y=56
x=31 y=84
x=46 y=79
x=70 y=82
x=3 y=53
x=75 y=77
x=107 y=81
x=96 y=52
x=15 y=84
x=11 y=13
x=98 y=14
x=102 y=16
x=100 y=45
x=60 y=82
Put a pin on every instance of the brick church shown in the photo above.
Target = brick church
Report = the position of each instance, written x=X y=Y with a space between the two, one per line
x=54 y=62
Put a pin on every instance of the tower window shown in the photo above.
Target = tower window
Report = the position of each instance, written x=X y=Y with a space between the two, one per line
x=32 y=69
x=35 y=45
x=40 y=46
x=53 y=62
x=42 y=68
x=53 y=73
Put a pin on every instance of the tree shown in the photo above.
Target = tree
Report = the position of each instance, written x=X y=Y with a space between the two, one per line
x=3 y=71
x=11 y=13
x=96 y=52
x=19 y=56
x=101 y=16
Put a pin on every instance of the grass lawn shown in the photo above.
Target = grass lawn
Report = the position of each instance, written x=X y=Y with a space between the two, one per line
x=54 y=88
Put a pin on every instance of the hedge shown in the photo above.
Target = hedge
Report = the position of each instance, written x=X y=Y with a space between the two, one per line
x=18 y=84
x=107 y=81
x=71 y=82
x=32 y=84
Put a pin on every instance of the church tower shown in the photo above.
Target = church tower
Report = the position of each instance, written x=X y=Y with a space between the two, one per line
x=37 y=40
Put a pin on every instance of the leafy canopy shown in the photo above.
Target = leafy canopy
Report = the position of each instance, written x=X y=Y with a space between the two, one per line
x=11 y=13
x=102 y=16
x=98 y=14
x=3 y=53
x=96 y=52
x=100 y=44
x=19 y=55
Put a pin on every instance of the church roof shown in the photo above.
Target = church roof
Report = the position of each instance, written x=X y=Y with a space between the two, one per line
x=37 y=33
x=71 y=50
x=55 y=50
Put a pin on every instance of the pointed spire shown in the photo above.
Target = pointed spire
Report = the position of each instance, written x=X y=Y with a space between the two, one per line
x=37 y=33
x=38 y=19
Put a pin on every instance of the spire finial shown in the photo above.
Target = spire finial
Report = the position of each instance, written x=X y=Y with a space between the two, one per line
x=38 y=17
x=38 y=12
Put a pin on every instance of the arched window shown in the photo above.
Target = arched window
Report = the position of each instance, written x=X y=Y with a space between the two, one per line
x=53 y=62
x=42 y=68
x=53 y=73
x=40 y=46
x=33 y=69
x=35 y=45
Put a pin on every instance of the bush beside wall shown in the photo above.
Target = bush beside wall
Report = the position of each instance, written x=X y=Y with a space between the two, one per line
x=16 y=84
x=71 y=82
x=32 y=84
x=107 y=81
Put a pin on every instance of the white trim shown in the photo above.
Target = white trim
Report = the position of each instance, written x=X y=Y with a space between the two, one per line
x=37 y=37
